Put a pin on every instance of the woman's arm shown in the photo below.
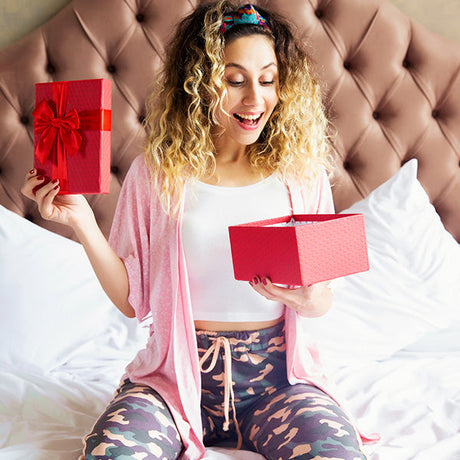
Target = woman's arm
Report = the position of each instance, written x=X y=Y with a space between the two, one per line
x=308 y=301
x=74 y=211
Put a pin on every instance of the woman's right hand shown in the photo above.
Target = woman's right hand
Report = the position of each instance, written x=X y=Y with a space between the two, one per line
x=70 y=210
x=75 y=211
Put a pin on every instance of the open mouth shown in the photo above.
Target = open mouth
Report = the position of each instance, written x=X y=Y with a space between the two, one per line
x=248 y=120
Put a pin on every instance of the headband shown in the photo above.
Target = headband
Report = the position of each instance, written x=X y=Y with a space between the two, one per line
x=247 y=14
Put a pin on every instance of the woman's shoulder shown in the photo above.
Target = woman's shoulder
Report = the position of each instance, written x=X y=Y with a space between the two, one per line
x=141 y=187
x=137 y=183
x=312 y=192
x=138 y=174
x=310 y=180
x=139 y=166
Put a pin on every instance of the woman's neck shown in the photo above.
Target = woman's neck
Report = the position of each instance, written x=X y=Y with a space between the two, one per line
x=234 y=170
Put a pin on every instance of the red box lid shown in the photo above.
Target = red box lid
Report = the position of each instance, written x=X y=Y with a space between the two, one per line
x=57 y=104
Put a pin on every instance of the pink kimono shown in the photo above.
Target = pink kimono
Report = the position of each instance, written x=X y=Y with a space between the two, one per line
x=149 y=243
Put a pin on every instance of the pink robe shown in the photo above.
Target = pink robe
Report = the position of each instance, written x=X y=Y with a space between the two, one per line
x=149 y=243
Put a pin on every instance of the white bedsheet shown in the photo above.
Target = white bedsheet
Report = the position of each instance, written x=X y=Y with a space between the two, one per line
x=44 y=417
x=412 y=399
x=391 y=341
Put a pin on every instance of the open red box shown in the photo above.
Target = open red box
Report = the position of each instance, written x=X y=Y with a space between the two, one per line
x=72 y=134
x=300 y=250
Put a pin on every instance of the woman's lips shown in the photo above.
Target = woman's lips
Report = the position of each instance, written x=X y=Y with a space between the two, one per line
x=248 y=121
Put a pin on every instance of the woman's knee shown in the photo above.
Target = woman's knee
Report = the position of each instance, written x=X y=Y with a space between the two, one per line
x=137 y=421
x=302 y=422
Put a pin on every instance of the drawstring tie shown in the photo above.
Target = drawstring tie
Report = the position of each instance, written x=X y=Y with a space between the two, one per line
x=228 y=387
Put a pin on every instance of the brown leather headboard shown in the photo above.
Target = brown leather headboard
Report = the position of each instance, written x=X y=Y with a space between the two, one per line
x=392 y=90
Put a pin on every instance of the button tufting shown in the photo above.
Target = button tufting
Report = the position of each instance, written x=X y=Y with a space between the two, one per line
x=376 y=115
x=406 y=63
x=114 y=169
x=24 y=119
x=347 y=65
x=50 y=68
x=435 y=113
x=140 y=17
x=319 y=13
x=346 y=165
x=29 y=216
x=111 y=68
x=141 y=119
x=1 y=171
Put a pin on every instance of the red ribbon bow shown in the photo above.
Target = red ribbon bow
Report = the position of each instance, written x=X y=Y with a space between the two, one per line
x=59 y=131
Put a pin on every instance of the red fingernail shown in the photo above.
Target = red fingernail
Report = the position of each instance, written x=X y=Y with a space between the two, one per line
x=39 y=177
x=55 y=181
x=255 y=280
x=57 y=186
x=31 y=171
x=264 y=281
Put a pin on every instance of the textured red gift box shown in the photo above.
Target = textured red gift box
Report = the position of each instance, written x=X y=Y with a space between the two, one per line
x=327 y=247
x=72 y=134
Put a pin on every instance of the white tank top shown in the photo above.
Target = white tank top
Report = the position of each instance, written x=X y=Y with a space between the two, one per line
x=208 y=212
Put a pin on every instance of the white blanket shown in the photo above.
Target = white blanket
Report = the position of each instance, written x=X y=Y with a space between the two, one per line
x=390 y=341
x=412 y=399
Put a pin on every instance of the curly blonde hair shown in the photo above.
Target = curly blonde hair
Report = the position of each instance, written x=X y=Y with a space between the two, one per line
x=182 y=112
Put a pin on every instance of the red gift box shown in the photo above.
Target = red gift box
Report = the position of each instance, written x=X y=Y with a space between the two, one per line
x=300 y=250
x=72 y=130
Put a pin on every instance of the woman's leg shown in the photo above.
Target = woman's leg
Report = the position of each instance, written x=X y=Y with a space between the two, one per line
x=137 y=421
x=300 y=422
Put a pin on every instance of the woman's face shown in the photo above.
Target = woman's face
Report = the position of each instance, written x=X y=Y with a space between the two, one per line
x=251 y=78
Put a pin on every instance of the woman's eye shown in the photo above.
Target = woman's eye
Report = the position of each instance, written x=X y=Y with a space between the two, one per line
x=235 y=82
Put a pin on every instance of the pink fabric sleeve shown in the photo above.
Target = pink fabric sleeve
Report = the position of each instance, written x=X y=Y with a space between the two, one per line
x=324 y=200
x=129 y=235
x=312 y=197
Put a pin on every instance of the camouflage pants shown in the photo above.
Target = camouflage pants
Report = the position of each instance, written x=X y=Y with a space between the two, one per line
x=278 y=420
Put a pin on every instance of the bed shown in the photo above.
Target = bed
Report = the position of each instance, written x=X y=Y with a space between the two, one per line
x=392 y=91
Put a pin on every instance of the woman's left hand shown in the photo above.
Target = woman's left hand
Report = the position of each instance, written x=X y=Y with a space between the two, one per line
x=308 y=301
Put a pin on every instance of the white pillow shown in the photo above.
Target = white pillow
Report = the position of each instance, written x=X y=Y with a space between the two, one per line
x=412 y=287
x=51 y=304
x=56 y=317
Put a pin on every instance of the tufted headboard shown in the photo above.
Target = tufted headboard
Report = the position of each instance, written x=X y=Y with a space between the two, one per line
x=392 y=90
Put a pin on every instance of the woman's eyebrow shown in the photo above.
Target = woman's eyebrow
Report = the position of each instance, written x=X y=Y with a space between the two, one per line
x=239 y=66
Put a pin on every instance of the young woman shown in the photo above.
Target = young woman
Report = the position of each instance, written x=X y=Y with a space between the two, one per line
x=237 y=133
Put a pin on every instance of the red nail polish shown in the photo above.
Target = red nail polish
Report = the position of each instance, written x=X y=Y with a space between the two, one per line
x=39 y=177
x=255 y=280
x=31 y=171
x=264 y=281
x=55 y=181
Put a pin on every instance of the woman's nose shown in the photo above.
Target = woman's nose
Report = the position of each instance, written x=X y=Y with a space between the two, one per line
x=252 y=95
